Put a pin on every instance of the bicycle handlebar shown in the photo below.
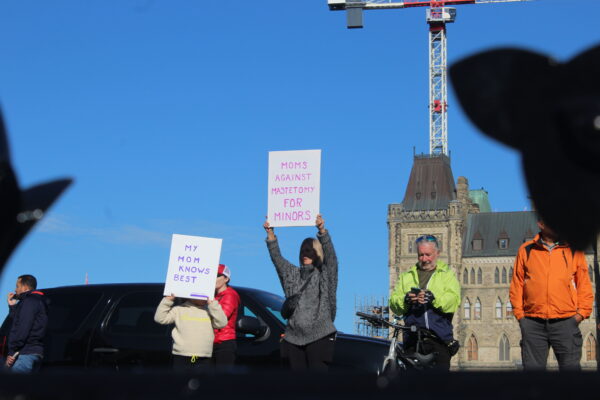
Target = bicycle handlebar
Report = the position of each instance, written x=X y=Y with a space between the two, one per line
x=375 y=320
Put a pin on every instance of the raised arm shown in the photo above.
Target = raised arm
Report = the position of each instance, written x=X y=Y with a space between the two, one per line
x=287 y=272
x=217 y=316
x=330 y=263
x=165 y=313
x=330 y=258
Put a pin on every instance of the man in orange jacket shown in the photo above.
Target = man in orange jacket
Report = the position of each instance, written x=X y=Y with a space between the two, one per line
x=551 y=294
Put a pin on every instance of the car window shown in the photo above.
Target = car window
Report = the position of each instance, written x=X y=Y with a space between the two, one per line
x=247 y=312
x=271 y=302
x=67 y=311
x=134 y=315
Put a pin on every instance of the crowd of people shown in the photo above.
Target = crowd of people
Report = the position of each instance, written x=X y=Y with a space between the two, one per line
x=550 y=292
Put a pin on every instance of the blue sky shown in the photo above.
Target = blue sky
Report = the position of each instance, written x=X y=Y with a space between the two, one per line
x=164 y=113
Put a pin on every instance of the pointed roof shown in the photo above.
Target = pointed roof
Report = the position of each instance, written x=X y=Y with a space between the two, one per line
x=431 y=184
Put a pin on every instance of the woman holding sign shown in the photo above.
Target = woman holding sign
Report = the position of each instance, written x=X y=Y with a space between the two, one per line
x=310 y=292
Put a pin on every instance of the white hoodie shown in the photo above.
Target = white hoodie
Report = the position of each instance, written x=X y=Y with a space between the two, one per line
x=193 y=334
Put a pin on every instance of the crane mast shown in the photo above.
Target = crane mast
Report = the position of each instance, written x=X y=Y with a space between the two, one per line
x=438 y=15
x=437 y=18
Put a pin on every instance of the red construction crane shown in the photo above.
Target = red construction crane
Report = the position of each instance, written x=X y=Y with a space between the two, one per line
x=438 y=15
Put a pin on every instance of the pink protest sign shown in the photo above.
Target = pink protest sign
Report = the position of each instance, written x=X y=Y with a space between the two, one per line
x=294 y=187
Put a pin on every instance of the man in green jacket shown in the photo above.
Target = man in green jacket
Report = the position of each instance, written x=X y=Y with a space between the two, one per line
x=427 y=295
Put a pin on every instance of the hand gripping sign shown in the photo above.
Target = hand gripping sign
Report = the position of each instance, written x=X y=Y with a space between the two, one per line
x=193 y=265
x=294 y=187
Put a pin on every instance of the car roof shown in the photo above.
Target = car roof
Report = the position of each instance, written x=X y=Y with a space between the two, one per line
x=122 y=287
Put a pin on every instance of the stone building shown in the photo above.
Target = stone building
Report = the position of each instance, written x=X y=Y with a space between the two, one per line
x=480 y=246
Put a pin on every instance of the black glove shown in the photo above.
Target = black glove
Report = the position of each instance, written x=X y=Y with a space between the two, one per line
x=453 y=347
x=429 y=297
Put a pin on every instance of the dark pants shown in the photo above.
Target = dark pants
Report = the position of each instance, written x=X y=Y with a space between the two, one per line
x=224 y=354
x=431 y=346
x=315 y=356
x=190 y=364
x=538 y=335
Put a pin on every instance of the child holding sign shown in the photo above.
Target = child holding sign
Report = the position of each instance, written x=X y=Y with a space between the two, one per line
x=193 y=334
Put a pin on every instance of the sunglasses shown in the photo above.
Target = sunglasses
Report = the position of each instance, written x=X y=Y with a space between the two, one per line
x=426 y=238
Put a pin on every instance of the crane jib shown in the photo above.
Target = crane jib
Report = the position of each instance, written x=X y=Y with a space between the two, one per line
x=441 y=3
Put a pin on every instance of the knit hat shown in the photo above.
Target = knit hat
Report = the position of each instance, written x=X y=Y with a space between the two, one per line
x=224 y=270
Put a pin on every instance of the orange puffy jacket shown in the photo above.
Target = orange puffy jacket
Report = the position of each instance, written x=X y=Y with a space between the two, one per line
x=550 y=284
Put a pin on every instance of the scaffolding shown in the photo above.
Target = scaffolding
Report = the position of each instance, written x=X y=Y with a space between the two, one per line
x=371 y=305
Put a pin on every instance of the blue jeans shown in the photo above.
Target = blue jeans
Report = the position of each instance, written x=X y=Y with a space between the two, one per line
x=27 y=363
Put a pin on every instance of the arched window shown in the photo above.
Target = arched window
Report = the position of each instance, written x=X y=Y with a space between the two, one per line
x=465 y=276
x=590 y=348
x=467 y=309
x=504 y=349
x=503 y=275
x=497 y=275
x=472 y=276
x=498 y=308
x=472 y=349
x=479 y=276
x=509 y=311
x=510 y=273
x=477 y=313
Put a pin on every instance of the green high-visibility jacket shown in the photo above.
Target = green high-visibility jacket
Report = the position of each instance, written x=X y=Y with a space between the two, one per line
x=446 y=291
x=443 y=284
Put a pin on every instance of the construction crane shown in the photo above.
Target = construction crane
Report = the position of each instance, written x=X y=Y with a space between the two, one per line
x=438 y=15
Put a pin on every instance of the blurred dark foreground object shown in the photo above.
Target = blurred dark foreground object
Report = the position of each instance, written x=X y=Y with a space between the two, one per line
x=20 y=209
x=164 y=384
x=550 y=112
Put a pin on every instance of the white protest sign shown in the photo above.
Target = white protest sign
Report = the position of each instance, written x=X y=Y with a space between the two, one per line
x=294 y=187
x=193 y=266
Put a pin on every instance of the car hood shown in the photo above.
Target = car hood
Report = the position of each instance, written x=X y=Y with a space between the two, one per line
x=359 y=338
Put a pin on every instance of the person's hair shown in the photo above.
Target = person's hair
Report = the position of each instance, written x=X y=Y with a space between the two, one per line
x=312 y=249
x=29 y=281
x=427 y=239
x=538 y=217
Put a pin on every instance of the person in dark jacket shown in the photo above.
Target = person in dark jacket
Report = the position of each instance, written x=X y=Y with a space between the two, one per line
x=309 y=338
x=224 y=346
x=27 y=321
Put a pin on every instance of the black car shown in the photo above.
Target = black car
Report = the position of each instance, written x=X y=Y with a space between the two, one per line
x=112 y=326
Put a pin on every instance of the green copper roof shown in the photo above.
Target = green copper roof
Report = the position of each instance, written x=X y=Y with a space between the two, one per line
x=480 y=196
